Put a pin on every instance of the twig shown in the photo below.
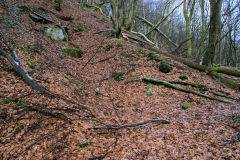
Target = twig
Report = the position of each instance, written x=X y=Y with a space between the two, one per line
x=94 y=54
x=106 y=30
x=59 y=57
x=159 y=121
x=105 y=59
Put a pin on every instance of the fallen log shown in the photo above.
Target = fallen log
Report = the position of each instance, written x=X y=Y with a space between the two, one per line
x=168 y=84
x=209 y=70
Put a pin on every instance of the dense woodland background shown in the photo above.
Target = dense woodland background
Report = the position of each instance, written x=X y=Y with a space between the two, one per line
x=189 y=23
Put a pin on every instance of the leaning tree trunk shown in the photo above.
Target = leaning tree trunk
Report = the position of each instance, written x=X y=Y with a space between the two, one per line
x=215 y=22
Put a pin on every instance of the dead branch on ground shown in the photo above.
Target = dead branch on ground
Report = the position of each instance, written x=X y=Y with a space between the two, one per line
x=14 y=60
x=158 y=121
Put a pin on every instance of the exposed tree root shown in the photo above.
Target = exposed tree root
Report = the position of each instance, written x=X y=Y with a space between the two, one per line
x=168 y=84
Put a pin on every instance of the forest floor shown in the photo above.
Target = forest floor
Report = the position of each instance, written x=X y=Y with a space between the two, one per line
x=84 y=92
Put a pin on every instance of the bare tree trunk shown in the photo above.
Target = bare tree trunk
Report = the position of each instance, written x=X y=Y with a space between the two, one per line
x=215 y=26
x=129 y=24
x=116 y=18
x=188 y=19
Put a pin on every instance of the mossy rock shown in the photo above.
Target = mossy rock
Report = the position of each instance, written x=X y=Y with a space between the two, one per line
x=72 y=52
x=165 y=67
x=186 y=105
x=79 y=27
x=183 y=77
x=56 y=34
x=66 y=18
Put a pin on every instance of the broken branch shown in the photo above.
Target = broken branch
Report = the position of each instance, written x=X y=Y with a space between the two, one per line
x=159 y=121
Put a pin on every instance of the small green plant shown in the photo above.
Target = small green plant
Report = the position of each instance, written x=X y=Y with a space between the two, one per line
x=186 y=105
x=22 y=103
x=83 y=144
x=119 y=76
x=136 y=77
x=78 y=85
x=6 y=101
x=149 y=91
x=25 y=52
x=76 y=53
x=133 y=59
x=109 y=47
x=79 y=27
x=118 y=45
x=202 y=88
x=165 y=67
x=66 y=18
x=153 y=56
x=216 y=65
x=183 y=77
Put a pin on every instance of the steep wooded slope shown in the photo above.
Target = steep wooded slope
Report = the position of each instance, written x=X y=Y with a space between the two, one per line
x=85 y=92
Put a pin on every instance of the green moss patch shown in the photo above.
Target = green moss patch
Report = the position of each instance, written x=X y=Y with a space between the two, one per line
x=76 y=53
x=119 y=76
x=25 y=52
x=11 y=23
x=186 y=105
x=79 y=27
x=202 y=88
x=153 y=56
x=183 y=77
x=149 y=91
x=165 y=67
x=66 y=18
x=83 y=144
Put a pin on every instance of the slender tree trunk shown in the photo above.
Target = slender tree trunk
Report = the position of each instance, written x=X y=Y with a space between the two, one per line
x=188 y=19
x=129 y=24
x=201 y=47
x=215 y=26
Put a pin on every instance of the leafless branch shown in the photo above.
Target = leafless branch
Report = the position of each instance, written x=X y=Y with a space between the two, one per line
x=159 y=121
